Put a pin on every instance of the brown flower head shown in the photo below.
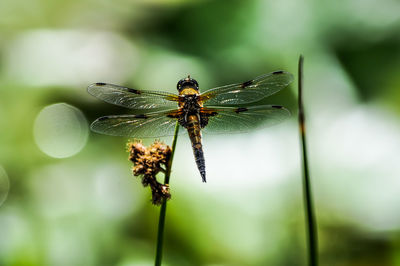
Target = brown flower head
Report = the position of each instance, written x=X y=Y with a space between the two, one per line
x=148 y=162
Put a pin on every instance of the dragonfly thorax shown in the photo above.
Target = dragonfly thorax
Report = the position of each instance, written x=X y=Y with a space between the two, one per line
x=191 y=104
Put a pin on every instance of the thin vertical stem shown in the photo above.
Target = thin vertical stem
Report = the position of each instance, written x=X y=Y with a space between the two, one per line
x=311 y=222
x=163 y=209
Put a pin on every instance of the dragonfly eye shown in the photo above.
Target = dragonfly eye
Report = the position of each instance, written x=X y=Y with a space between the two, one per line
x=179 y=85
x=187 y=82
x=196 y=84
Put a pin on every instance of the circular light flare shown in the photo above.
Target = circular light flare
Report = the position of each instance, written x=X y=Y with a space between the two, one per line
x=60 y=130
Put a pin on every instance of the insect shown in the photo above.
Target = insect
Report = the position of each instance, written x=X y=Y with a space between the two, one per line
x=217 y=110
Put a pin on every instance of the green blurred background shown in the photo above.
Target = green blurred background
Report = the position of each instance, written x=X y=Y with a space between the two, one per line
x=68 y=197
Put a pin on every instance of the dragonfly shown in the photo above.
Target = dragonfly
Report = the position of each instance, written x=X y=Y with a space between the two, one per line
x=226 y=109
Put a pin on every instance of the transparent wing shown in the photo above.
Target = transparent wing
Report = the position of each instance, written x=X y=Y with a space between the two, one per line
x=157 y=124
x=249 y=91
x=132 y=98
x=242 y=119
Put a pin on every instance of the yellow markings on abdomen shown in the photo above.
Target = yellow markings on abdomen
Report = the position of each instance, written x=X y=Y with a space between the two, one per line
x=193 y=127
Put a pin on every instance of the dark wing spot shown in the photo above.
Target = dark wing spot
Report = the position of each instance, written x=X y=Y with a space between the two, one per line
x=277 y=106
x=141 y=116
x=277 y=72
x=246 y=84
x=208 y=113
x=133 y=91
x=100 y=84
x=103 y=118
x=241 y=109
x=174 y=115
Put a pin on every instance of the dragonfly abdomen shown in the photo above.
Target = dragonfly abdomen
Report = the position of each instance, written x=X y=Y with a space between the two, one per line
x=193 y=128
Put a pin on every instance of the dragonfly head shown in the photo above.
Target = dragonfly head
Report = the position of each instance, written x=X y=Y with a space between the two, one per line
x=187 y=83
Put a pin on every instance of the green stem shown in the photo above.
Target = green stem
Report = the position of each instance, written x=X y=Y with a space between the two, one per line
x=309 y=210
x=163 y=209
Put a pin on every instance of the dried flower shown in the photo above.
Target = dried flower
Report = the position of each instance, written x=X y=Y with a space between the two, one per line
x=148 y=162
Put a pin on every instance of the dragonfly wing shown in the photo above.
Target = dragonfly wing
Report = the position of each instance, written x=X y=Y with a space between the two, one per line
x=243 y=119
x=157 y=124
x=249 y=91
x=132 y=98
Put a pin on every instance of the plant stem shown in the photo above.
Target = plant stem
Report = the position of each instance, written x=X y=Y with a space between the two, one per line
x=308 y=206
x=163 y=209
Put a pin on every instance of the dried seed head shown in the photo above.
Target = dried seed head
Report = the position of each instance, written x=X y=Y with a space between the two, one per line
x=136 y=150
x=165 y=191
x=148 y=162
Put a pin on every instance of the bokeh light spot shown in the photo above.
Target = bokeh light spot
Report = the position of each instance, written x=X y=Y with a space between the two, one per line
x=4 y=185
x=60 y=130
